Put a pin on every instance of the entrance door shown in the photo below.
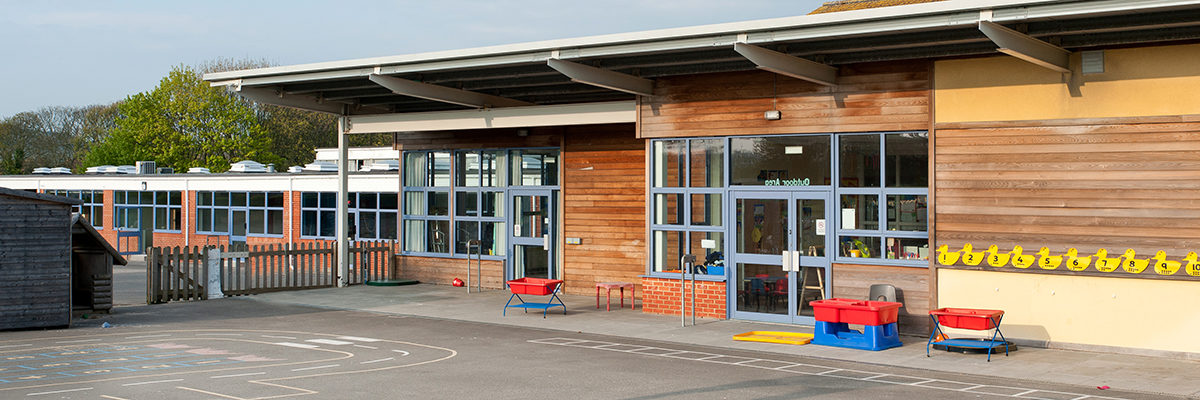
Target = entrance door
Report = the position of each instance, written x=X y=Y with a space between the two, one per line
x=778 y=255
x=237 y=228
x=533 y=234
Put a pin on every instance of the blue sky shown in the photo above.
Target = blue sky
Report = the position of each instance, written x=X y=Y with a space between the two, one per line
x=75 y=53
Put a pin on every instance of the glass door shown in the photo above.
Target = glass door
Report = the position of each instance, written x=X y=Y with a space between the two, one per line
x=237 y=228
x=778 y=255
x=533 y=234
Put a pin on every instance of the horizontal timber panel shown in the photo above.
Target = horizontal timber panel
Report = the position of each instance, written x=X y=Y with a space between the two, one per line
x=868 y=97
x=1110 y=183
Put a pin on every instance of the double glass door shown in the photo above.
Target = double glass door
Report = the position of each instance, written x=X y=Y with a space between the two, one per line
x=779 y=254
x=533 y=233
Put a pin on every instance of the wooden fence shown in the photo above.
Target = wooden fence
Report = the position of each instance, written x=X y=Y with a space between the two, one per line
x=182 y=273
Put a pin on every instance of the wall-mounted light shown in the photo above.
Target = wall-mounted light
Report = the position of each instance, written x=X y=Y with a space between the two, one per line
x=522 y=132
x=773 y=115
x=143 y=185
x=793 y=150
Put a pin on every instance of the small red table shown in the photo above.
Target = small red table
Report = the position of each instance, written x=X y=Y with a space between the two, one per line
x=608 y=296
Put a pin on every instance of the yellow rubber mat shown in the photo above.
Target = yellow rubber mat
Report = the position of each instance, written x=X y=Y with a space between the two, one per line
x=774 y=337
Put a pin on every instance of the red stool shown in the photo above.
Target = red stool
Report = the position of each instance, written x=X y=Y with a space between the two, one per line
x=608 y=297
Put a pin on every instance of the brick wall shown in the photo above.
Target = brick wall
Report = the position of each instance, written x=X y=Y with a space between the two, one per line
x=661 y=296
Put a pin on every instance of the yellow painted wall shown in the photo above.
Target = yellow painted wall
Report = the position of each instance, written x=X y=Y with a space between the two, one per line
x=1133 y=313
x=1150 y=81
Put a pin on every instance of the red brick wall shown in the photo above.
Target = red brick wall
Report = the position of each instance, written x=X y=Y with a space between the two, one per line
x=661 y=296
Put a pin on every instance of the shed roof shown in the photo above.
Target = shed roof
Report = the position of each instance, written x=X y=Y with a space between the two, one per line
x=38 y=196
x=83 y=232
x=523 y=74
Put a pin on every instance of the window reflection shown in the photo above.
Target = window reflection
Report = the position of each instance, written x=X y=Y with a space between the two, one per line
x=780 y=161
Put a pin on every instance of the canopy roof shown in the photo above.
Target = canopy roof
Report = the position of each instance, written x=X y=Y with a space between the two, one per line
x=619 y=67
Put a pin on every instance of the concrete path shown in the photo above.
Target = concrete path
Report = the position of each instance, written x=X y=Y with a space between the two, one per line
x=1125 y=372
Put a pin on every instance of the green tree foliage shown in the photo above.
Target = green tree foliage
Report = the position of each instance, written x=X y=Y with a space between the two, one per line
x=185 y=123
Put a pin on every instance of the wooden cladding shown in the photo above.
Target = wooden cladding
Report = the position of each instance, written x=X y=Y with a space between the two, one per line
x=912 y=287
x=891 y=96
x=1090 y=184
x=604 y=200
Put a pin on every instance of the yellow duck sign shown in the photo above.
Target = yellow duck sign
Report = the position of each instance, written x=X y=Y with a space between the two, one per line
x=1127 y=261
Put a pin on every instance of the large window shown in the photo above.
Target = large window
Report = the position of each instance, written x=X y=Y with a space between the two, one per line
x=882 y=192
x=264 y=212
x=168 y=211
x=318 y=215
x=427 y=202
x=127 y=207
x=374 y=215
x=879 y=182
x=687 y=195
x=92 y=207
x=451 y=199
x=479 y=181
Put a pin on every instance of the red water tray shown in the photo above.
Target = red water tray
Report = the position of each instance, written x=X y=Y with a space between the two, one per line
x=967 y=318
x=534 y=286
x=857 y=312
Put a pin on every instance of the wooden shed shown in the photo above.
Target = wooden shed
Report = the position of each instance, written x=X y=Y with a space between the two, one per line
x=92 y=260
x=35 y=260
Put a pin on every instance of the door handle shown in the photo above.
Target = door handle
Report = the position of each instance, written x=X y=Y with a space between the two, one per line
x=795 y=261
x=546 y=242
x=787 y=261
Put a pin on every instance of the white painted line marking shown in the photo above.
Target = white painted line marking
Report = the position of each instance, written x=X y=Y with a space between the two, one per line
x=218 y=334
x=401 y=352
x=826 y=372
x=80 y=341
x=922 y=382
x=112 y=397
x=145 y=336
x=15 y=345
x=329 y=341
x=316 y=367
x=673 y=352
x=59 y=391
x=706 y=358
x=237 y=375
x=366 y=347
x=640 y=348
x=151 y=382
x=1082 y=397
x=971 y=387
x=880 y=376
x=379 y=360
x=279 y=337
x=788 y=366
x=303 y=346
x=359 y=339
x=748 y=361
x=1024 y=393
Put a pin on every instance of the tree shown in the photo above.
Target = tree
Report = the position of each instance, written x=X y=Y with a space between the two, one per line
x=184 y=123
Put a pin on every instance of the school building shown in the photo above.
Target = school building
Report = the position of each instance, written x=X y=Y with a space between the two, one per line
x=796 y=158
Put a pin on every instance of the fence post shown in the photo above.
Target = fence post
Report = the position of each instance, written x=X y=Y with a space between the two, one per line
x=212 y=265
x=150 y=277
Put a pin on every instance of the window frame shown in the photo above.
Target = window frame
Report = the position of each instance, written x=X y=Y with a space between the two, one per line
x=89 y=202
x=686 y=226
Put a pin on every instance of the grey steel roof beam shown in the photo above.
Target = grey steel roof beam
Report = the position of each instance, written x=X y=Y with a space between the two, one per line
x=1026 y=47
x=278 y=98
x=590 y=75
x=783 y=64
x=444 y=94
